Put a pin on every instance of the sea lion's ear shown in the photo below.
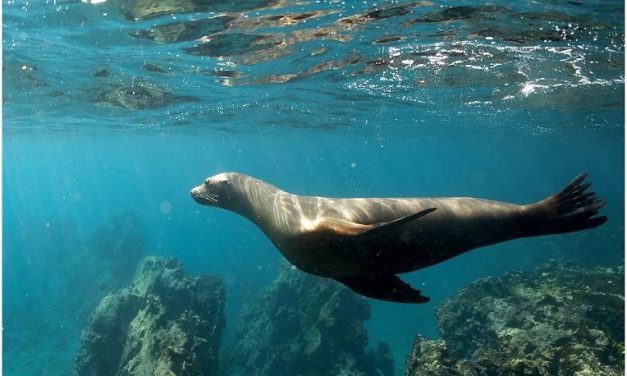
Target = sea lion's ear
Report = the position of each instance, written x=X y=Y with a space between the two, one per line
x=348 y=228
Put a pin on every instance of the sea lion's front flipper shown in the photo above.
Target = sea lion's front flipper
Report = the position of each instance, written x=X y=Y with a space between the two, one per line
x=383 y=227
x=344 y=227
x=384 y=287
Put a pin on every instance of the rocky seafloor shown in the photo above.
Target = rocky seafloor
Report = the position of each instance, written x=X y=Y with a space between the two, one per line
x=166 y=323
x=557 y=320
x=306 y=325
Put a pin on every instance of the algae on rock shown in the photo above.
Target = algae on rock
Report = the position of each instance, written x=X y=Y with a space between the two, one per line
x=305 y=325
x=165 y=323
x=558 y=319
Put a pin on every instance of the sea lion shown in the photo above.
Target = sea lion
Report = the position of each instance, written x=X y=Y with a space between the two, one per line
x=365 y=242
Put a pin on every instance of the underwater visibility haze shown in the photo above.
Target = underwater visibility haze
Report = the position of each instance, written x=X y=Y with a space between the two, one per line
x=113 y=110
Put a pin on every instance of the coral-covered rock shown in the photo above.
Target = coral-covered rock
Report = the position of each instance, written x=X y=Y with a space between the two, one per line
x=165 y=323
x=434 y=359
x=561 y=320
x=304 y=325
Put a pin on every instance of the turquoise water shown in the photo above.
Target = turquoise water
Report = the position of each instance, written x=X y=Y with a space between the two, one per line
x=110 y=111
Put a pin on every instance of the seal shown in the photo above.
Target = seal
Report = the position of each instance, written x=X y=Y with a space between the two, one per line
x=365 y=242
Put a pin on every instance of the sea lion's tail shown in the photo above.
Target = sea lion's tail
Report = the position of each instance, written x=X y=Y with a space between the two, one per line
x=571 y=209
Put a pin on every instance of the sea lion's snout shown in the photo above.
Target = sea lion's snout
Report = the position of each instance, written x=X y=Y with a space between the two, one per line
x=214 y=191
x=199 y=195
x=194 y=193
x=205 y=194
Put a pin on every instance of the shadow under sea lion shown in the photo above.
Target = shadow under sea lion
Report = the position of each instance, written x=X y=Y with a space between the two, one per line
x=364 y=242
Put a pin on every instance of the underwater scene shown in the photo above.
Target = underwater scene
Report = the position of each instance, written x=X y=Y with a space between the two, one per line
x=313 y=187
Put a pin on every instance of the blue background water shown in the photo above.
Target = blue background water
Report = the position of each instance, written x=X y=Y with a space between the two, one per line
x=457 y=125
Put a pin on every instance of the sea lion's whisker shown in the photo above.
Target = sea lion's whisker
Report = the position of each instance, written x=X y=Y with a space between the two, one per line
x=209 y=197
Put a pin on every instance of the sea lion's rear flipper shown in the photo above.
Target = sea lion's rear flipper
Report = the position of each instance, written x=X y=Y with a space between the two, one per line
x=384 y=287
x=573 y=208
x=344 y=227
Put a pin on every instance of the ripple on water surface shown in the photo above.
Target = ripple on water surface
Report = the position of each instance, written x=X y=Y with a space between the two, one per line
x=186 y=56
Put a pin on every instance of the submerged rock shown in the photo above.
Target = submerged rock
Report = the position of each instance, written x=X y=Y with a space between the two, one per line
x=165 y=323
x=433 y=358
x=558 y=320
x=304 y=325
x=139 y=95
x=101 y=72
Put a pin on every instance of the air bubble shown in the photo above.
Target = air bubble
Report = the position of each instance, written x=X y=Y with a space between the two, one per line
x=165 y=207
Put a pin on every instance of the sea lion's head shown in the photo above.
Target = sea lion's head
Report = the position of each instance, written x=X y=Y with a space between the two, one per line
x=217 y=190
x=236 y=192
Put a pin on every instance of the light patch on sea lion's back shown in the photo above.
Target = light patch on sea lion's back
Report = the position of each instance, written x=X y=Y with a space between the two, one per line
x=307 y=224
